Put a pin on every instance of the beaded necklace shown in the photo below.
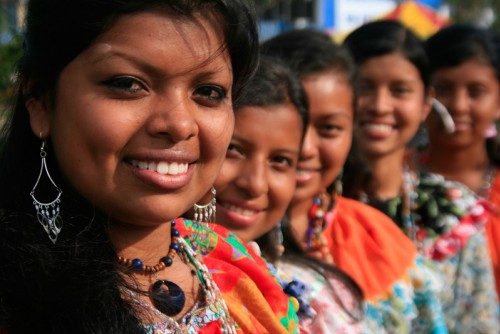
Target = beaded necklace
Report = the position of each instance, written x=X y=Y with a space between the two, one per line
x=165 y=294
x=319 y=216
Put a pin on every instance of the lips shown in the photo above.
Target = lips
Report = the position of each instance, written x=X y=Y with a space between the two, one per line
x=162 y=167
x=163 y=175
x=239 y=214
x=377 y=130
x=305 y=174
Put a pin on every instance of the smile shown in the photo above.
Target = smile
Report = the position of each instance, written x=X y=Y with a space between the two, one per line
x=242 y=211
x=162 y=167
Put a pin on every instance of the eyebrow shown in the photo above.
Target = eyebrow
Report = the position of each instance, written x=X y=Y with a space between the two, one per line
x=151 y=69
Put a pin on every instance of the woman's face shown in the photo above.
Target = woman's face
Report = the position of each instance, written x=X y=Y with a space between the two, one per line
x=329 y=134
x=391 y=103
x=257 y=179
x=471 y=94
x=143 y=117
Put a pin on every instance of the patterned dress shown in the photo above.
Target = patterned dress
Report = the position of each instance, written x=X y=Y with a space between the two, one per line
x=400 y=288
x=334 y=308
x=252 y=294
x=448 y=229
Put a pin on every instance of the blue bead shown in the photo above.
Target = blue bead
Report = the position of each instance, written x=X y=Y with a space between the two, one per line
x=175 y=246
x=317 y=200
x=167 y=260
x=174 y=232
x=137 y=264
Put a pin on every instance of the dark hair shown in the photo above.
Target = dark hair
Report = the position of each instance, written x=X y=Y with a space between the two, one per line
x=379 y=38
x=74 y=286
x=459 y=43
x=274 y=84
x=309 y=51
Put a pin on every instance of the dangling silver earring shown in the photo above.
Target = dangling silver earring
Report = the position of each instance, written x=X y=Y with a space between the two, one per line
x=47 y=213
x=206 y=212
x=338 y=186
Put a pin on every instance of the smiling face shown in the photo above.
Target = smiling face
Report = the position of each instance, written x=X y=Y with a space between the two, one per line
x=471 y=94
x=390 y=104
x=257 y=179
x=142 y=118
x=329 y=134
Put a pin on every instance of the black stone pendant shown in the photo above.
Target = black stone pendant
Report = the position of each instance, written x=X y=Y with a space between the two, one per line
x=167 y=297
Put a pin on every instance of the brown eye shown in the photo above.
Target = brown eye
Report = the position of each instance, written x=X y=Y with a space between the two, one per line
x=211 y=92
x=125 y=83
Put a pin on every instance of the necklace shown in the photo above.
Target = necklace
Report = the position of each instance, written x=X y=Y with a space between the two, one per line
x=319 y=216
x=166 y=296
x=168 y=293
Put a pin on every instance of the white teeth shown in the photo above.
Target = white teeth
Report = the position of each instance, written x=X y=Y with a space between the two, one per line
x=162 y=167
x=173 y=168
x=378 y=127
x=241 y=211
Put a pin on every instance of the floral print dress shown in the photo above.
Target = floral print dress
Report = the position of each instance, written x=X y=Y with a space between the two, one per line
x=448 y=229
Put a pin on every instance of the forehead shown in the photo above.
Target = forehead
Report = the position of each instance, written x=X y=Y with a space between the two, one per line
x=158 y=35
x=472 y=69
x=279 y=125
x=388 y=66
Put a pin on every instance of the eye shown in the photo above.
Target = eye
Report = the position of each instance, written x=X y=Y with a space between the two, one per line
x=400 y=90
x=282 y=162
x=476 y=91
x=234 y=151
x=364 y=88
x=443 y=90
x=126 y=84
x=329 y=129
x=210 y=94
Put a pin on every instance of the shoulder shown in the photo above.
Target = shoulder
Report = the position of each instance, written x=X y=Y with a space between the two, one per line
x=252 y=293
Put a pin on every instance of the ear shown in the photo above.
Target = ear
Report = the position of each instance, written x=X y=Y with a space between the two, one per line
x=39 y=117
x=431 y=93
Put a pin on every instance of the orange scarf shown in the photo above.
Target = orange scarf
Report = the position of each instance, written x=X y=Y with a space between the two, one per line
x=369 y=247
x=493 y=229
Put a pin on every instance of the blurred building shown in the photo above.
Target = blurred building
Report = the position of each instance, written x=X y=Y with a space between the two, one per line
x=335 y=16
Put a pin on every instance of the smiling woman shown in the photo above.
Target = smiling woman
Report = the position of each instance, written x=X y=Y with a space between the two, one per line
x=127 y=108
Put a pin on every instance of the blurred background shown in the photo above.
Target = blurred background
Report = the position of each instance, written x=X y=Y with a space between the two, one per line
x=338 y=17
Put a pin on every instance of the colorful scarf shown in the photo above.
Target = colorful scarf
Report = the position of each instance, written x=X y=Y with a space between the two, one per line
x=252 y=294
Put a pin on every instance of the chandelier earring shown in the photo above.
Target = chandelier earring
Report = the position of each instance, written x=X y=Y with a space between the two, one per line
x=338 y=186
x=206 y=212
x=47 y=212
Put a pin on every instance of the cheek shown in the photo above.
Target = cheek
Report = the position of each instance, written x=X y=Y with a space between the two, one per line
x=334 y=152
x=227 y=175
x=281 y=193
x=97 y=134
x=215 y=134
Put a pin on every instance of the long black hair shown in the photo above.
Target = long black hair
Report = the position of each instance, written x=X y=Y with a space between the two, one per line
x=74 y=286
x=308 y=52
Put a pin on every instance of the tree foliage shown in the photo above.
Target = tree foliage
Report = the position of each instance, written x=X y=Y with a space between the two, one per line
x=9 y=56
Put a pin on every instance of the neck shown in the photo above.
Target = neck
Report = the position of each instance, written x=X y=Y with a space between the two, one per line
x=386 y=175
x=464 y=165
x=299 y=218
x=148 y=243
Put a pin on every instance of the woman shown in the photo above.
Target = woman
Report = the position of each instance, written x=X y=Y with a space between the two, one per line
x=444 y=219
x=359 y=240
x=127 y=108
x=255 y=186
x=465 y=68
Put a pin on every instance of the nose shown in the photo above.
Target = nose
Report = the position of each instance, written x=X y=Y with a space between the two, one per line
x=173 y=117
x=382 y=101
x=459 y=102
x=310 y=145
x=253 y=178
